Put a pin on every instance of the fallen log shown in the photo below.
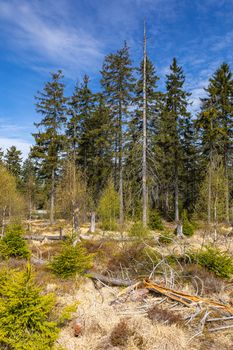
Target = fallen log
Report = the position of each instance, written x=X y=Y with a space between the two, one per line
x=184 y=298
x=110 y=280
x=41 y=238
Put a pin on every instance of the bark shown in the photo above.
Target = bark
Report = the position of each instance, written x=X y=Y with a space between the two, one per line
x=3 y=219
x=176 y=196
x=144 y=160
x=92 y=227
x=179 y=230
x=121 y=170
x=52 y=197
x=227 y=192
x=210 y=189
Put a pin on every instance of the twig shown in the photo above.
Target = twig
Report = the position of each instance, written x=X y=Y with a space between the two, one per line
x=220 y=328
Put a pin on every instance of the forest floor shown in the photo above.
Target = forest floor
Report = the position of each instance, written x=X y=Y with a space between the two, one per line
x=114 y=318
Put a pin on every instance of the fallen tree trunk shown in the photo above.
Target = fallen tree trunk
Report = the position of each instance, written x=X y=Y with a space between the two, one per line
x=110 y=280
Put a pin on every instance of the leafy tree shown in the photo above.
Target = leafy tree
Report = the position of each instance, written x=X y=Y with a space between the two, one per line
x=51 y=104
x=11 y=201
x=109 y=207
x=215 y=205
x=117 y=82
x=72 y=195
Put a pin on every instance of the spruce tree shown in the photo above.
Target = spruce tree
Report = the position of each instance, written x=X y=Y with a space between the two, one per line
x=173 y=117
x=13 y=162
x=117 y=82
x=98 y=135
x=134 y=133
x=51 y=104
x=81 y=107
x=215 y=124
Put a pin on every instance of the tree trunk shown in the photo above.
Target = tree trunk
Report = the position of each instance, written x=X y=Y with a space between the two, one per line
x=176 y=196
x=179 y=230
x=92 y=228
x=30 y=214
x=210 y=189
x=52 y=199
x=121 y=170
x=3 y=219
x=144 y=163
x=227 y=191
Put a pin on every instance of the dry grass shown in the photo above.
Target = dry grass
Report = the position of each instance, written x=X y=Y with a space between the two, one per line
x=104 y=327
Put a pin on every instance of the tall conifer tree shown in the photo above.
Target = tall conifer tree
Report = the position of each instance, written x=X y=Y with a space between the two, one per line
x=51 y=104
x=117 y=81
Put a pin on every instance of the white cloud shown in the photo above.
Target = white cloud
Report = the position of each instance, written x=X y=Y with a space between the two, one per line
x=20 y=144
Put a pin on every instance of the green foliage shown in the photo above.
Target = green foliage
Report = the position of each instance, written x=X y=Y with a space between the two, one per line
x=13 y=160
x=109 y=208
x=138 y=230
x=67 y=313
x=155 y=222
x=214 y=260
x=13 y=244
x=188 y=228
x=25 y=314
x=71 y=261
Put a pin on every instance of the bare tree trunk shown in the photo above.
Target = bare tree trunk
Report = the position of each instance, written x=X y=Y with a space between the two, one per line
x=121 y=170
x=176 y=196
x=52 y=199
x=215 y=218
x=30 y=213
x=166 y=202
x=144 y=163
x=227 y=191
x=121 y=198
x=92 y=228
x=210 y=189
x=3 y=219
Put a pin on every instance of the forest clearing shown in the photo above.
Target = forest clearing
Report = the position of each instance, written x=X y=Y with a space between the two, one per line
x=116 y=175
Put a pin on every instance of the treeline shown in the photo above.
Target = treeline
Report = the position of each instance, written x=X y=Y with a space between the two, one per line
x=91 y=141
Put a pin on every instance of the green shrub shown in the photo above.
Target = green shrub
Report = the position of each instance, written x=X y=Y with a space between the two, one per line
x=138 y=230
x=214 y=260
x=13 y=244
x=71 y=261
x=155 y=222
x=188 y=228
x=25 y=314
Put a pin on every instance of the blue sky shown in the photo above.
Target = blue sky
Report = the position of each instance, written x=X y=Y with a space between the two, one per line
x=39 y=36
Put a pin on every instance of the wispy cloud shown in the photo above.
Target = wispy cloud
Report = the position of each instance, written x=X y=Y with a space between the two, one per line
x=41 y=39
